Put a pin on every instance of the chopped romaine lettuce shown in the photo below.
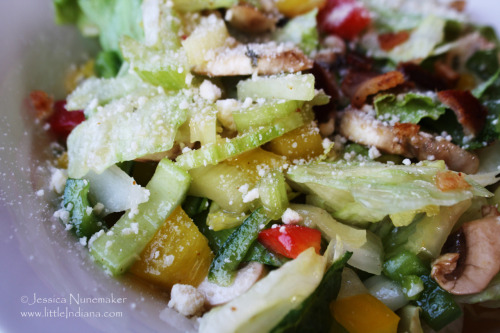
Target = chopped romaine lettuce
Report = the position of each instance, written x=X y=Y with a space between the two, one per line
x=369 y=191
x=407 y=108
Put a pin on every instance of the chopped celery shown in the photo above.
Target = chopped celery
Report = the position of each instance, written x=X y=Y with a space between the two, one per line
x=105 y=138
x=263 y=306
x=167 y=68
x=226 y=148
x=313 y=314
x=218 y=219
x=255 y=115
x=117 y=249
x=235 y=248
x=75 y=200
x=196 y=5
x=116 y=190
x=299 y=87
x=272 y=192
x=203 y=126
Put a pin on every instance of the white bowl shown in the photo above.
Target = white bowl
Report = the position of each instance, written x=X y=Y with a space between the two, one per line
x=37 y=256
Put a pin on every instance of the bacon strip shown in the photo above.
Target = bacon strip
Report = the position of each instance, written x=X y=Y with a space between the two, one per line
x=358 y=86
x=390 y=40
x=471 y=114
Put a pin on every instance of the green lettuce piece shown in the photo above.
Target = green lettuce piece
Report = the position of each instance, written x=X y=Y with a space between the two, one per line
x=422 y=42
x=394 y=16
x=313 y=315
x=301 y=31
x=124 y=130
x=95 y=92
x=368 y=191
x=114 y=19
x=107 y=64
x=412 y=108
x=484 y=63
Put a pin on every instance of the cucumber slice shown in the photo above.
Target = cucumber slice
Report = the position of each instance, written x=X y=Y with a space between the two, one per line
x=226 y=148
x=235 y=248
x=299 y=87
x=117 y=249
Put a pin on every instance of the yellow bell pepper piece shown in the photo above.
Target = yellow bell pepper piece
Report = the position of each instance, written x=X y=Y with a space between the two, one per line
x=303 y=143
x=363 y=313
x=178 y=253
x=293 y=8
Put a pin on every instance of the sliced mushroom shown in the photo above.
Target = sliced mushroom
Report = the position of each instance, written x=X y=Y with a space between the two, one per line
x=245 y=278
x=406 y=140
x=250 y=19
x=470 y=270
x=246 y=59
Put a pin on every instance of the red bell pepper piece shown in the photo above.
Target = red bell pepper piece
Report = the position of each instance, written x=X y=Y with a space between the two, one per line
x=290 y=240
x=62 y=121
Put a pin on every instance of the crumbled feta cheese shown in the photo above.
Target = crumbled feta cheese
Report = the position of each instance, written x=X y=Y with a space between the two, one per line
x=40 y=193
x=98 y=208
x=186 y=299
x=58 y=180
x=88 y=210
x=210 y=91
x=373 y=153
x=251 y=195
x=406 y=161
x=63 y=215
x=83 y=241
x=291 y=217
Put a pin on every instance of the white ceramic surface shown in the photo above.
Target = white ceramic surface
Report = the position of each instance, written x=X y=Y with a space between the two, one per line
x=36 y=256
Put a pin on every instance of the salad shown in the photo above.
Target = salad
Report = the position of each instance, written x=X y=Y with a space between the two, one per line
x=285 y=165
